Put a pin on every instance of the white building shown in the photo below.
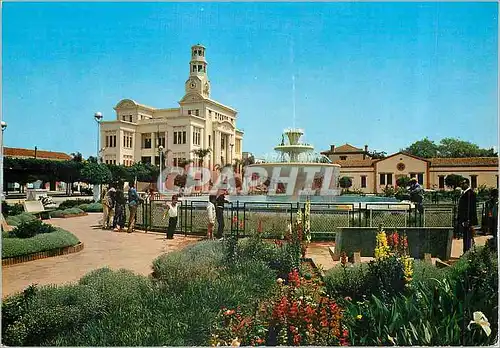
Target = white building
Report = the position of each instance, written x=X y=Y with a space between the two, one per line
x=199 y=123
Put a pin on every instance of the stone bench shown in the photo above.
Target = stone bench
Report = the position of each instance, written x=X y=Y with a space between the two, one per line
x=36 y=208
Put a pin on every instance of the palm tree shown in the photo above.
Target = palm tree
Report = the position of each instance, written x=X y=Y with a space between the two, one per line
x=201 y=154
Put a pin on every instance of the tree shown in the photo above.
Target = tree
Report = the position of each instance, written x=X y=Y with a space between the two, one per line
x=201 y=154
x=423 y=148
x=77 y=157
x=451 y=147
x=403 y=181
x=448 y=148
x=95 y=173
x=453 y=180
x=345 y=182
x=377 y=154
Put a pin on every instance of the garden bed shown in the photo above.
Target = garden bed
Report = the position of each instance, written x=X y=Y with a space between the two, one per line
x=67 y=213
x=43 y=254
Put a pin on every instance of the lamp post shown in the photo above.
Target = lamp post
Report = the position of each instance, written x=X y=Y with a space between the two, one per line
x=4 y=126
x=160 y=186
x=231 y=162
x=98 y=118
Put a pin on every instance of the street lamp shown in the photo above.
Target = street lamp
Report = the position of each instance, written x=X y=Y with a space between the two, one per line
x=231 y=153
x=98 y=118
x=4 y=126
x=160 y=150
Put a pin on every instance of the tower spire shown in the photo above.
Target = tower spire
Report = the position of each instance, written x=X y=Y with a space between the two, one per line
x=198 y=78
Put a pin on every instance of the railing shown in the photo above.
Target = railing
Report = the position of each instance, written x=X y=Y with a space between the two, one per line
x=272 y=218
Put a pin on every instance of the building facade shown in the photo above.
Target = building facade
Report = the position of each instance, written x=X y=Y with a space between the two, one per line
x=198 y=123
x=373 y=175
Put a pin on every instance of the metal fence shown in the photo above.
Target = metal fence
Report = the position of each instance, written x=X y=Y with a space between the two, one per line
x=272 y=218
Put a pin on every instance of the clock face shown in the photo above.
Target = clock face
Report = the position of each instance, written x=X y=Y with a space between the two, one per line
x=192 y=84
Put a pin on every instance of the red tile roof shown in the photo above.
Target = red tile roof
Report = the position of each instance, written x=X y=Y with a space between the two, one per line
x=347 y=148
x=355 y=163
x=464 y=162
x=30 y=153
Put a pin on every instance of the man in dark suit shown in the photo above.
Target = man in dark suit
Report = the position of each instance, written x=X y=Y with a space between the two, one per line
x=467 y=214
x=219 y=213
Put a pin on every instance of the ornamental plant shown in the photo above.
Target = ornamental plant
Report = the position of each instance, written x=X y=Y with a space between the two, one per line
x=297 y=314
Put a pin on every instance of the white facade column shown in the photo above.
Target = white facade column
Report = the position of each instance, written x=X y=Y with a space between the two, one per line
x=217 y=149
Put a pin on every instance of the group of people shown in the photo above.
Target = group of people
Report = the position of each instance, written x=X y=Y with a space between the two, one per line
x=215 y=211
x=114 y=204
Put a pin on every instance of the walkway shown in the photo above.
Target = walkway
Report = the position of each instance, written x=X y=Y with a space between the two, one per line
x=103 y=248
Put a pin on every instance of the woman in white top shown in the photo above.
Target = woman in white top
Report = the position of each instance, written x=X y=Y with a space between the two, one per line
x=172 y=212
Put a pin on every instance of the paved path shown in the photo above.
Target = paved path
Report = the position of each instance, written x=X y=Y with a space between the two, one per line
x=103 y=248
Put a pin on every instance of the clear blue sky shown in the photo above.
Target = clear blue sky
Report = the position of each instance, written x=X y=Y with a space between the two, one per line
x=382 y=74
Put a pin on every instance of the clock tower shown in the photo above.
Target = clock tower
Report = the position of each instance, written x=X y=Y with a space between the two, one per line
x=198 y=80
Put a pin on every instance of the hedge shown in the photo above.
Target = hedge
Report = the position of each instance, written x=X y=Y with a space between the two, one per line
x=434 y=240
x=17 y=219
x=65 y=212
x=12 y=247
x=91 y=208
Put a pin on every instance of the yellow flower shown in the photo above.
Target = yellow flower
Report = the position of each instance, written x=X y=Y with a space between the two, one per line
x=391 y=339
x=481 y=320
x=359 y=317
x=279 y=281
x=235 y=343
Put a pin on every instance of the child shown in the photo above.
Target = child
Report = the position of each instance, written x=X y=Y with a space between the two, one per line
x=172 y=211
x=211 y=215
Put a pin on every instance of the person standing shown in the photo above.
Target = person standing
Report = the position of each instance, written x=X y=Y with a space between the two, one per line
x=107 y=207
x=416 y=195
x=211 y=216
x=133 y=202
x=219 y=212
x=467 y=214
x=172 y=213
x=119 y=218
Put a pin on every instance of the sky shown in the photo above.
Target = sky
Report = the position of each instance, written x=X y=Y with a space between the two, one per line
x=381 y=74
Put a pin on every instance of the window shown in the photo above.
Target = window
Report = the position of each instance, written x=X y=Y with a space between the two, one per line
x=382 y=179
x=180 y=137
x=209 y=141
x=196 y=136
x=160 y=140
x=114 y=140
x=146 y=141
x=222 y=143
x=194 y=68
x=189 y=112
x=146 y=159
x=343 y=158
x=473 y=181
x=184 y=137
x=389 y=179
x=130 y=118
x=197 y=112
x=123 y=117
x=412 y=175
x=127 y=140
x=441 y=181
x=363 y=181
x=420 y=178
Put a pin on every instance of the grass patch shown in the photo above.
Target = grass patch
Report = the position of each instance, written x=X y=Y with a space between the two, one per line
x=18 y=219
x=12 y=247
x=91 y=207
x=66 y=212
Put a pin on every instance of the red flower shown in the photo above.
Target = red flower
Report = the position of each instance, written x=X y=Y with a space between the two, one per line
x=296 y=339
x=395 y=237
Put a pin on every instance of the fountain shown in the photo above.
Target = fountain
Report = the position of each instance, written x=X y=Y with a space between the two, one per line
x=297 y=170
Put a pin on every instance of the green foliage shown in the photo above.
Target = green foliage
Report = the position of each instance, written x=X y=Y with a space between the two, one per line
x=388 y=191
x=453 y=180
x=29 y=229
x=10 y=210
x=91 y=208
x=402 y=193
x=17 y=219
x=385 y=278
x=345 y=182
x=66 y=212
x=423 y=148
x=12 y=247
x=95 y=173
x=71 y=203
x=349 y=281
x=449 y=148
x=403 y=181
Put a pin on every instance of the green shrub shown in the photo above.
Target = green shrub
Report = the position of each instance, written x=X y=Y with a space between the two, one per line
x=17 y=219
x=57 y=214
x=349 y=281
x=12 y=247
x=29 y=229
x=65 y=212
x=91 y=208
x=10 y=210
x=71 y=203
